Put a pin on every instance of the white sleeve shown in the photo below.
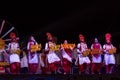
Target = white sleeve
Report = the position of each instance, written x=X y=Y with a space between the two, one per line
x=28 y=46
x=36 y=43
x=46 y=47
x=113 y=46
x=92 y=46
x=18 y=46
x=78 y=50
x=100 y=46
x=86 y=47
x=8 y=46
x=104 y=48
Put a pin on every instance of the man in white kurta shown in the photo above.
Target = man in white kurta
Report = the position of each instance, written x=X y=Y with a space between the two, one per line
x=53 y=59
x=108 y=58
x=13 y=47
x=84 y=61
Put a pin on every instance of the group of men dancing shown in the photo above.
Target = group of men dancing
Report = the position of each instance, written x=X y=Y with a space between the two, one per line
x=54 y=63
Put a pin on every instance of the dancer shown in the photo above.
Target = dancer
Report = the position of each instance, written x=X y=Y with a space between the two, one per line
x=14 y=50
x=83 y=59
x=67 y=58
x=53 y=59
x=32 y=56
x=3 y=57
x=109 y=51
x=96 y=56
x=24 y=61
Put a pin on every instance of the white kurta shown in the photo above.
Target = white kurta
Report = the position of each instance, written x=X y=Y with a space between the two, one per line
x=33 y=59
x=51 y=56
x=80 y=48
x=14 y=57
x=97 y=59
x=108 y=58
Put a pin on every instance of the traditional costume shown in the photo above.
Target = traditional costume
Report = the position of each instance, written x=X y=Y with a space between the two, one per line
x=52 y=58
x=14 y=50
x=109 y=57
x=66 y=59
x=24 y=62
x=83 y=59
x=96 y=51
x=3 y=57
x=32 y=56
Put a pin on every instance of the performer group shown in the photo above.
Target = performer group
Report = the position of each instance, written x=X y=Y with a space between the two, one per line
x=56 y=58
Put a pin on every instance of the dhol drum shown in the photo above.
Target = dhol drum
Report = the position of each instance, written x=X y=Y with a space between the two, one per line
x=96 y=51
x=112 y=51
x=15 y=51
x=86 y=52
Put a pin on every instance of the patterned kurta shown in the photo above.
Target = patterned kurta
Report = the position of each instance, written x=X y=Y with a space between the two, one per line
x=80 y=48
x=51 y=56
x=109 y=58
x=14 y=57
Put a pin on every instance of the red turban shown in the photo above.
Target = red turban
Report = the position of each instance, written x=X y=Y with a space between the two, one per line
x=12 y=35
x=108 y=36
x=81 y=37
x=49 y=36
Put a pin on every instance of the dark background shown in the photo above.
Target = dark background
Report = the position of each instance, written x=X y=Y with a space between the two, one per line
x=65 y=20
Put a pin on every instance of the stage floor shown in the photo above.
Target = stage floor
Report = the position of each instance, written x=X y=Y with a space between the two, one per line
x=59 y=77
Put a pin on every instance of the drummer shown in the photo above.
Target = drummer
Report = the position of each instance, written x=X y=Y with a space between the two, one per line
x=14 y=50
x=83 y=59
x=52 y=58
x=109 y=55
x=96 y=50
